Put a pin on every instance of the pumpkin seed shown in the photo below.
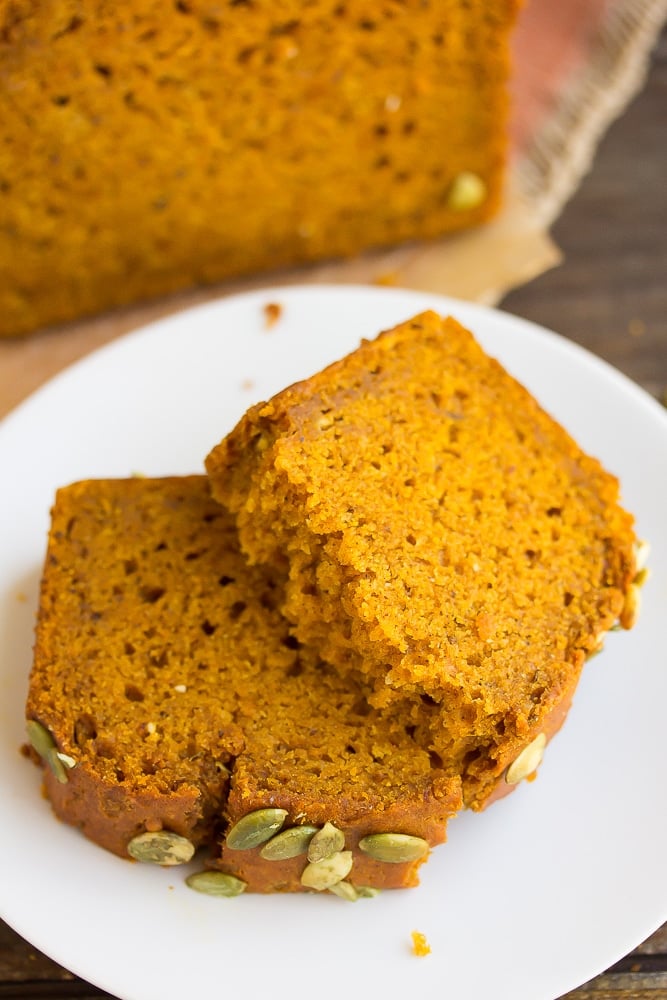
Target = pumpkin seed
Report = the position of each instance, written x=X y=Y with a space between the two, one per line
x=345 y=890
x=632 y=606
x=321 y=875
x=65 y=759
x=43 y=742
x=467 y=191
x=394 y=848
x=327 y=841
x=288 y=843
x=255 y=829
x=161 y=848
x=58 y=768
x=353 y=892
x=367 y=891
x=40 y=738
x=598 y=645
x=642 y=552
x=528 y=760
x=216 y=884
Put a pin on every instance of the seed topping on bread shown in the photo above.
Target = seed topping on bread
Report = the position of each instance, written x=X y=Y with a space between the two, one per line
x=44 y=744
x=394 y=848
x=161 y=848
x=527 y=762
x=255 y=828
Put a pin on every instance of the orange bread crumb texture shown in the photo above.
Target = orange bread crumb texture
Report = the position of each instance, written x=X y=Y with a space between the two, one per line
x=420 y=946
x=170 y=702
x=442 y=538
x=147 y=147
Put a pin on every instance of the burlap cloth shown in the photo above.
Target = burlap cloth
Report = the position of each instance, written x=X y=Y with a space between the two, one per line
x=577 y=63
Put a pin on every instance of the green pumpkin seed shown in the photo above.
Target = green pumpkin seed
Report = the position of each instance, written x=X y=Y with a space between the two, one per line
x=327 y=841
x=43 y=742
x=58 y=768
x=40 y=738
x=288 y=843
x=528 y=760
x=255 y=829
x=161 y=848
x=321 y=875
x=354 y=892
x=345 y=890
x=216 y=884
x=367 y=891
x=394 y=848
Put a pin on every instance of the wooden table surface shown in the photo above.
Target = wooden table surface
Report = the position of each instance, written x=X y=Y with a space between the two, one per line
x=610 y=295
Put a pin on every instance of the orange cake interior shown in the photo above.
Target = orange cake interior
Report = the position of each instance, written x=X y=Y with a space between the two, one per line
x=170 y=700
x=439 y=536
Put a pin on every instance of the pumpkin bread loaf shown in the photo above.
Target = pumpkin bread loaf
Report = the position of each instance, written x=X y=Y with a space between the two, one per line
x=175 y=710
x=147 y=146
x=441 y=538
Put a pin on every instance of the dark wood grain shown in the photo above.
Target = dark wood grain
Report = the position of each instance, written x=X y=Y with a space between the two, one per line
x=610 y=295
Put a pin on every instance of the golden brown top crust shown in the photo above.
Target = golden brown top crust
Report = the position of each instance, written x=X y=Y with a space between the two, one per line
x=149 y=146
x=444 y=534
x=162 y=664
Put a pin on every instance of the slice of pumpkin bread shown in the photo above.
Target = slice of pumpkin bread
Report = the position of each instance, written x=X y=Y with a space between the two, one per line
x=441 y=537
x=172 y=706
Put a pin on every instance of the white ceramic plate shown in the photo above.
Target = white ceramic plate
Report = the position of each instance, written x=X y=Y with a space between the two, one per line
x=526 y=901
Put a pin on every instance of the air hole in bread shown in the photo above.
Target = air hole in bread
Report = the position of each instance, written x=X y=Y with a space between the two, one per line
x=133 y=693
x=85 y=729
x=295 y=669
x=151 y=594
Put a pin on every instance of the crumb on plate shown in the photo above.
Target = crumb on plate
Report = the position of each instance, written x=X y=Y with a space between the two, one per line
x=272 y=313
x=420 y=945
